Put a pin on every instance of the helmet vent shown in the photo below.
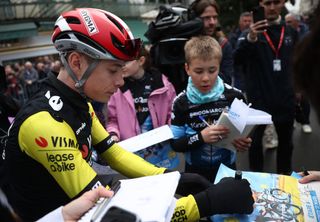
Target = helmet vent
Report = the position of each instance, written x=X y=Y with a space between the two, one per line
x=116 y=23
x=89 y=42
x=63 y=36
x=73 y=20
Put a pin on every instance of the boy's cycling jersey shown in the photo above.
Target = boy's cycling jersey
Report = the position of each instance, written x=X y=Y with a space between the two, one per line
x=187 y=123
x=48 y=152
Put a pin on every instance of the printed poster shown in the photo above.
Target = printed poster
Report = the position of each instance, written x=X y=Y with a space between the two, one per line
x=278 y=198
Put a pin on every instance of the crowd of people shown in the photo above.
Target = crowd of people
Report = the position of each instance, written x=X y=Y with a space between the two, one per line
x=22 y=77
x=105 y=64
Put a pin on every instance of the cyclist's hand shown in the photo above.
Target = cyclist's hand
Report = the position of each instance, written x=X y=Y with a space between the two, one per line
x=191 y=183
x=226 y=197
x=313 y=176
x=115 y=138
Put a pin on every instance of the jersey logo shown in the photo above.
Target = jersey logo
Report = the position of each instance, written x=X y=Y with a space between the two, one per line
x=54 y=101
x=83 y=125
x=42 y=142
x=84 y=151
x=179 y=215
x=89 y=22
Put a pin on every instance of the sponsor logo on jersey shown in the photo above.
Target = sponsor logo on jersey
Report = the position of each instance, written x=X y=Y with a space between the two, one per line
x=83 y=125
x=54 y=101
x=179 y=215
x=42 y=142
x=58 y=141
x=61 y=162
x=206 y=111
x=63 y=142
x=84 y=151
x=96 y=185
x=89 y=22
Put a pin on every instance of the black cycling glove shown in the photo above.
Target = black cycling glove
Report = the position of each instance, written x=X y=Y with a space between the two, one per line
x=229 y=196
x=191 y=183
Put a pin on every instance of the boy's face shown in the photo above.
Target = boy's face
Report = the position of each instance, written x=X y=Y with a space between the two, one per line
x=203 y=73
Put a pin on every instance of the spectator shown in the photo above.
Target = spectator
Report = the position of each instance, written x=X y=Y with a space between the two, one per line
x=245 y=21
x=57 y=130
x=206 y=97
x=9 y=107
x=208 y=11
x=306 y=75
x=30 y=78
x=56 y=67
x=13 y=85
x=41 y=70
x=147 y=97
x=265 y=50
x=302 y=104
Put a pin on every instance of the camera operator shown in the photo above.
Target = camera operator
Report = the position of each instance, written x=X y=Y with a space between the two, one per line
x=208 y=11
x=168 y=36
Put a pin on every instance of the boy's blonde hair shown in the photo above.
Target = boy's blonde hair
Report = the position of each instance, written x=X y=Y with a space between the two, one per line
x=202 y=47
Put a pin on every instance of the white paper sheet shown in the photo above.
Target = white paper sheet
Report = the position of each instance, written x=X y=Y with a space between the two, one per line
x=150 y=197
x=147 y=139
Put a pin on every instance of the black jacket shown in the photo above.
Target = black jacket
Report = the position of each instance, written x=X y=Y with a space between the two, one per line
x=268 y=90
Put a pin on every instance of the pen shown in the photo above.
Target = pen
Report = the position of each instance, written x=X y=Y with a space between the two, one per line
x=105 y=202
x=203 y=120
x=238 y=175
x=305 y=172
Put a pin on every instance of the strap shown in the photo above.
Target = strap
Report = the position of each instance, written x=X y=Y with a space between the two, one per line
x=79 y=83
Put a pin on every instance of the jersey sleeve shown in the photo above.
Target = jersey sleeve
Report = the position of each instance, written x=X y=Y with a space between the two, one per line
x=53 y=144
x=119 y=159
x=186 y=210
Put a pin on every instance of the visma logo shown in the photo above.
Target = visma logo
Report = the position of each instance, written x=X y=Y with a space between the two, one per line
x=54 y=101
x=42 y=142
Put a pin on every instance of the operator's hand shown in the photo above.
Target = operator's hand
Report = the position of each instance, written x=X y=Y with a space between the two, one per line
x=74 y=210
x=313 y=176
x=229 y=196
x=214 y=133
x=242 y=144
x=256 y=28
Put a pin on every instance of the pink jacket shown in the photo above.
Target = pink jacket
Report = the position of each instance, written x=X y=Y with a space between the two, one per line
x=122 y=118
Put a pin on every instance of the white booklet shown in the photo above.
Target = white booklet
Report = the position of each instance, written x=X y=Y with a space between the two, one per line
x=151 y=198
x=147 y=139
x=241 y=123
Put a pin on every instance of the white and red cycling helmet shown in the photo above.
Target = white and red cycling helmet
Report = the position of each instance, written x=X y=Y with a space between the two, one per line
x=96 y=33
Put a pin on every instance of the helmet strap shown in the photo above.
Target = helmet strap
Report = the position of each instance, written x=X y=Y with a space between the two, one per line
x=79 y=83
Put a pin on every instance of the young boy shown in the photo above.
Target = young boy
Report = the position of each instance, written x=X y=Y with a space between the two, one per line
x=206 y=97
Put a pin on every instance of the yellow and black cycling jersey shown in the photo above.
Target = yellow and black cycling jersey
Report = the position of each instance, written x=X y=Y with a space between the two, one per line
x=48 y=154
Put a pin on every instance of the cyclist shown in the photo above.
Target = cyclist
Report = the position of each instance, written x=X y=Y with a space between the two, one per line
x=48 y=152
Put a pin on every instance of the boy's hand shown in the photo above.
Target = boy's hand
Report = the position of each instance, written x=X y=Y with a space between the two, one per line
x=214 y=133
x=242 y=144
